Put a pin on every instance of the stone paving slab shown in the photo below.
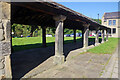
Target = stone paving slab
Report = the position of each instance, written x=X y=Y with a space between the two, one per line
x=111 y=69
x=49 y=62
x=81 y=66
x=77 y=65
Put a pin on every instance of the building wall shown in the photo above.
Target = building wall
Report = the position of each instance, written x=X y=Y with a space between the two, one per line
x=117 y=26
x=5 y=40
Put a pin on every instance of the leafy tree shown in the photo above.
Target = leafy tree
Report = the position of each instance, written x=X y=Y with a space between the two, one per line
x=100 y=21
x=18 y=30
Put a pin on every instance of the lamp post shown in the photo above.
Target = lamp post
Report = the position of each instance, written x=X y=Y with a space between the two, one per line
x=98 y=18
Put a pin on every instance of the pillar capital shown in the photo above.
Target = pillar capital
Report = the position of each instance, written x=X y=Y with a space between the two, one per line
x=59 y=18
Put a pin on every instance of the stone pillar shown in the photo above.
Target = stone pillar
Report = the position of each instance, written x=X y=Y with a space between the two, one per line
x=111 y=32
x=82 y=37
x=44 y=36
x=85 y=35
x=107 y=35
x=74 y=35
x=63 y=36
x=59 y=57
x=5 y=40
x=97 y=37
x=103 y=36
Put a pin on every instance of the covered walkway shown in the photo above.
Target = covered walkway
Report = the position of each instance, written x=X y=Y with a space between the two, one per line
x=24 y=61
x=44 y=14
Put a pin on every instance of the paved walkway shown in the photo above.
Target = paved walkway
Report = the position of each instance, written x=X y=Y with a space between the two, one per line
x=111 y=70
x=38 y=63
x=81 y=66
x=25 y=61
x=85 y=65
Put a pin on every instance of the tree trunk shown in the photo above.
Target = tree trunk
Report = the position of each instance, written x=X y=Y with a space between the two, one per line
x=31 y=33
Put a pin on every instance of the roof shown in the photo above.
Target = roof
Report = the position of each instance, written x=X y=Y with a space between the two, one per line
x=41 y=13
x=112 y=15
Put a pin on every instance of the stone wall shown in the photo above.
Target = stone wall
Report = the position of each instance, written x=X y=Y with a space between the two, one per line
x=5 y=40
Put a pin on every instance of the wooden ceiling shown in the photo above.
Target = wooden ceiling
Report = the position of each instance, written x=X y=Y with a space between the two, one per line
x=41 y=13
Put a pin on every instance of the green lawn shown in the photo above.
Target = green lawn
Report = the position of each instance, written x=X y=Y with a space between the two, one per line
x=105 y=48
x=36 y=42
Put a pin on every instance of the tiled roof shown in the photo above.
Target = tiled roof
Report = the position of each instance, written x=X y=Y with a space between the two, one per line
x=112 y=15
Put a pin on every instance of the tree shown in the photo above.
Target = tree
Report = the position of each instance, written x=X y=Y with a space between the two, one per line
x=33 y=28
x=100 y=21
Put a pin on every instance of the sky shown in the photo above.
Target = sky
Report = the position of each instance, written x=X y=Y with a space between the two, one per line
x=92 y=9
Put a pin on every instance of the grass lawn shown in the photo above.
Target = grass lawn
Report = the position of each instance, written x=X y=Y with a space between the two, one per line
x=105 y=48
x=36 y=42
x=20 y=44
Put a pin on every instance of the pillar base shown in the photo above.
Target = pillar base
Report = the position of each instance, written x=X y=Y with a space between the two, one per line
x=44 y=46
x=102 y=42
x=59 y=59
x=96 y=44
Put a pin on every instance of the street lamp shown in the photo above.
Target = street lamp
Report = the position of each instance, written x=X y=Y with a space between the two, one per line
x=98 y=18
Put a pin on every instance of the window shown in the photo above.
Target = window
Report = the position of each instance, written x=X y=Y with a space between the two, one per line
x=110 y=22
x=114 y=22
x=114 y=30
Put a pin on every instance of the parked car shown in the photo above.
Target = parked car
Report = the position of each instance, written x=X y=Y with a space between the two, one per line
x=28 y=36
x=99 y=34
x=48 y=35
x=67 y=35
x=77 y=35
x=93 y=34
x=80 y=35
x=72 y=35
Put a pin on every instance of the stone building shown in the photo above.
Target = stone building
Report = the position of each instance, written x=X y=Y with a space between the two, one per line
x=112 y=20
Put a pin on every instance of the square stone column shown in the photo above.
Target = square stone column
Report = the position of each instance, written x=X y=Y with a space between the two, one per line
x=97 y=37
x=103 y=36
x=111 y=32
x=74 y=35
x=85 y=35
x=107 y=34
x=5 y=40
x=44 y=36
x=63 y=35
x=59 y=57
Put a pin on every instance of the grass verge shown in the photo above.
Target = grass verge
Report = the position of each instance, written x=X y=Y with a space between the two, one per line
x=106 y=48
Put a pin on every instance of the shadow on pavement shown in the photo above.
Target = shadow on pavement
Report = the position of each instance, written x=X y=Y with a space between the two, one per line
x=24 y=61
